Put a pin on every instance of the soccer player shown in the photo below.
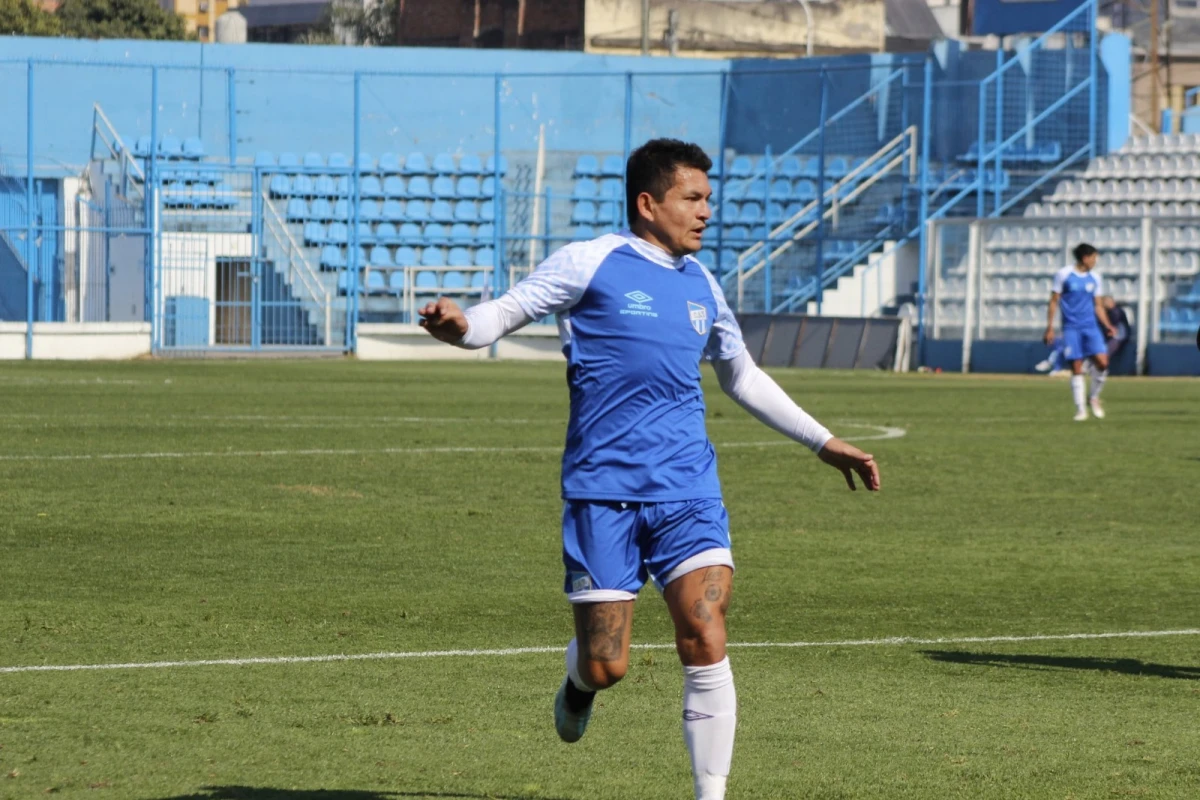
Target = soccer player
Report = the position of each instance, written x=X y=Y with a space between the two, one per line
x=1077 y=291
x=636 y=313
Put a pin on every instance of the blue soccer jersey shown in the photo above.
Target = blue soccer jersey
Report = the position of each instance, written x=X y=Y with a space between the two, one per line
x=1077 y=293
x=634 y=324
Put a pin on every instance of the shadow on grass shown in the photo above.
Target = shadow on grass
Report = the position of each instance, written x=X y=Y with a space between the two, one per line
x=1125 y=666
x=268 y=793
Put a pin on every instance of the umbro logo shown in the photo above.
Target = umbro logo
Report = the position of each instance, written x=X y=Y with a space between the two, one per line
x=640 y=307
x=638 y=296
x=694 y=716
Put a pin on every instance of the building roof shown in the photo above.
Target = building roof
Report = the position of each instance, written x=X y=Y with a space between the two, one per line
x=260 y=15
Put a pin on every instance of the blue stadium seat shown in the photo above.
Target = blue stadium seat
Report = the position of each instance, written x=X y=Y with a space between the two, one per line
x=338 y=161
x=302 y=186
x=585 y=189
x=396 y=282
x=366 y=235
x=441 y=211
x=487 y=211
x=385 y=233
x=775 y=213
x=485 y=233
x=468 y=187
x=456 y=280
x=727 y=259
x=343 y=282
x=415 y=164
x=443 y=164
x=314 y=233
x=376 y=282
x=433 y=257
x=804 y=189
x=436 y=234
x=612 y=187
x=381 y=256
x=338 y=233
x=837 y=168
x=366 y=162
x=487 y=188
x=281 y=186
x=465 y=211
x=781 y=189
x=343 y=186
x=263 y=158
x=369 y=211
x=407 y=257
x=750 y=213
x=583 y=233
x=141 y=148
x=193 y=148
x=707 y=257
x=791 y=167
x=485 y=257
x=175 y=195
x=313 y=160
x=321 y=210
x=362 y=258
x=459 y=257
x=479 y=277
x=492 y=165
x=608 y=212
x=613 y=165
x=584 y=213
x=443 y=187
x=587 y=166
x=371 y=187
x=418 y=210
x=288 y=162
x=325 y=186
x=341 y=210
x=737 y=234
x=756 y=189
x=470 y=164
x=392 y=211
x=411 y=234
x=461 y=234
x=393 y=186
x=170 y=147
x=297 y=210
x=419 y=186
x=389 y=164
x=425 y=280
x=332 y=257
x=742 y=167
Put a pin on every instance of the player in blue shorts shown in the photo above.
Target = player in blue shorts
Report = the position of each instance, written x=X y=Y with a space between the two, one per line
x=636 y=313
x=1078 y=292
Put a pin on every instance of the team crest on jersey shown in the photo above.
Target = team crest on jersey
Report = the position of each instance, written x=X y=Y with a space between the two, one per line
x=698 y=314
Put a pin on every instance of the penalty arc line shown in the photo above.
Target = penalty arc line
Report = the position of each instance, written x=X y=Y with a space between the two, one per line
x=517 y=651
x=884 y=433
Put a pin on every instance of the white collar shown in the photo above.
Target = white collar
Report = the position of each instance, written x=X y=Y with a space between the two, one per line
x=652 y=252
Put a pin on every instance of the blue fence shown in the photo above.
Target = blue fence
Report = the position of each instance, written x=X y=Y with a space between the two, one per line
x=257 y=207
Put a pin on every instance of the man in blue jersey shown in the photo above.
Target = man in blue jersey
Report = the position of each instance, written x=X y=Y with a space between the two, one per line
x=1078 y=292
x=636 y=313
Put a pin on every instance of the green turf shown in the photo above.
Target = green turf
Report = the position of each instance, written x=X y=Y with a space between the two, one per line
x=998 y=516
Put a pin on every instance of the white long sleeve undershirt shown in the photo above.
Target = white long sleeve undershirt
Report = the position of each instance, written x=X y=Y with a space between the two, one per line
x=740 y=377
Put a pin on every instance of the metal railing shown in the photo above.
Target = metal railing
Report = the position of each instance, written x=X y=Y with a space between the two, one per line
x=298 y=265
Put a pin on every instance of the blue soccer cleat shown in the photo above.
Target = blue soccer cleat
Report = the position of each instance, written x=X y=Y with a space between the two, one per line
x=569 y=724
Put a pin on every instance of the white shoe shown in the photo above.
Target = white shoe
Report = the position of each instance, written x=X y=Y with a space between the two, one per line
x=1042 y=366
x=1081 y=415
x=1061 y=373
x=1097 y=409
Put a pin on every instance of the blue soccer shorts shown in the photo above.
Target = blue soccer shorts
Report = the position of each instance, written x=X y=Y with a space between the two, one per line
x=1081 y=343
x=611 y=548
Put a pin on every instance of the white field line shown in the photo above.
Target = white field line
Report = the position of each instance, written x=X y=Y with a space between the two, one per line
x=518 y=651
x=885 y=432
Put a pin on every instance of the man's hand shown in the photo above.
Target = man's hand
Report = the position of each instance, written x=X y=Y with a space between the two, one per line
x=444 y=320
x=849 y=459
x=1049 y=337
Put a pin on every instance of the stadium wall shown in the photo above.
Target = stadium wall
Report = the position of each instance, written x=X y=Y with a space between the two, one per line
x=76 y=341
x=1162 y=359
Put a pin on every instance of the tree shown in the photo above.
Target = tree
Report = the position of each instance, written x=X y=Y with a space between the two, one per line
x=369 y=23
x=119 y=19
x=23 y=18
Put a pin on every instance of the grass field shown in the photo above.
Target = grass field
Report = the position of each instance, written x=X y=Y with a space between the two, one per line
x=316 y=508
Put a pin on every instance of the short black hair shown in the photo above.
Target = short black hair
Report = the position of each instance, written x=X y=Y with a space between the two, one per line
x=651 y=168
x=1082 y=251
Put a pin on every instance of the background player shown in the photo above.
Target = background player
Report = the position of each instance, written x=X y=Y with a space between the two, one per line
x=636 y=314
x=1077 y=291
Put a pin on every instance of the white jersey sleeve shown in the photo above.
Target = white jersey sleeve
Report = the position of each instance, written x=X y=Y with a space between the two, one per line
x=1099 y=290
x=560 y=281
x=1060 y=278
x=725 y=338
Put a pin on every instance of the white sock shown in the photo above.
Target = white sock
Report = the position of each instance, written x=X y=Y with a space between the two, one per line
x=573 y=668
x=709 y=720
x=1077 y=390
x=1098 y=377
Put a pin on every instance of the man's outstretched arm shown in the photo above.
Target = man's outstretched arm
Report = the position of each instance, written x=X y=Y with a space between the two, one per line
x=755 y=391
x=478 y=326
